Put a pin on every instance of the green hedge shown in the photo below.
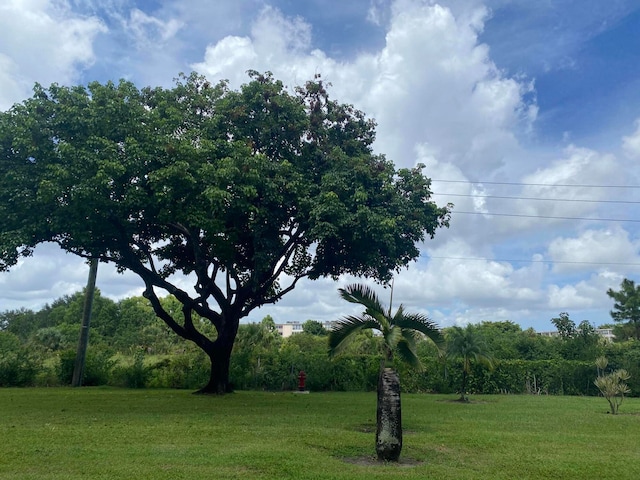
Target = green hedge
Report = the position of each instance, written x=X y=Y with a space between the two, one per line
x=277 y=369
x=553 y=377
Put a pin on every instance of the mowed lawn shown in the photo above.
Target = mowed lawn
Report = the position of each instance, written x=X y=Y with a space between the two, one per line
x=100 y=433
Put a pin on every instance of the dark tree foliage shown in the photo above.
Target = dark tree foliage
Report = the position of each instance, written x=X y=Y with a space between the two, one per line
x=313 y=327
x=565 y=326
x=627 y=305
x=247 y=192
x=580 y=342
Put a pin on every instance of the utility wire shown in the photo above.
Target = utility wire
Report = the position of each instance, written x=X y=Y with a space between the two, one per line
x=538 y=184
x=618 y=264
x=537 y=198
x=547 y=217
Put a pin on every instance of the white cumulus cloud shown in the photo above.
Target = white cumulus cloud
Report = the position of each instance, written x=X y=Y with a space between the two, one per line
x=608 y=247
x=42 y=41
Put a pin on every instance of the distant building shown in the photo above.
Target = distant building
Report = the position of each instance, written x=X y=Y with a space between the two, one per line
x=606 y=333
x=291 y=328
x=551 y=333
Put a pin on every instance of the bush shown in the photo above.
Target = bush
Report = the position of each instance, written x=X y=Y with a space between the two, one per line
x=135 y=375
x=188 y=370
x=98 y=365
x=9 y=342
x=47 y=376
x=18 y=369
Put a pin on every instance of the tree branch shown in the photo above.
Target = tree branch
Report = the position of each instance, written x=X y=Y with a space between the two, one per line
x=150 y=295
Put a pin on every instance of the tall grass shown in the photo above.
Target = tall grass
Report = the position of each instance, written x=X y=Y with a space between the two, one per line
x=104 y=433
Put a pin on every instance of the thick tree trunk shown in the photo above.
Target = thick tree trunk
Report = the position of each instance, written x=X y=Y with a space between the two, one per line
x=389 y=428
x=219 y=353
x=219 y=377
x=218 y=350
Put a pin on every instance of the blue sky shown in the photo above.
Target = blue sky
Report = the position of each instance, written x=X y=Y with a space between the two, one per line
x=535 y=100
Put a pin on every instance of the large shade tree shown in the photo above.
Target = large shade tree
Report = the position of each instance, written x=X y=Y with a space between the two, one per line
x=400 y=332
x=244 y=191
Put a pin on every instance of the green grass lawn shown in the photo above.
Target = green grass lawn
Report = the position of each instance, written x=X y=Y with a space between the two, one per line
x=98 y=433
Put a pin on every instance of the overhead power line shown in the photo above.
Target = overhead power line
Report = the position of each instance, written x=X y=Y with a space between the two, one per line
x=616 y=264
x=548 y=217
x=519 y=184
x=537 y=198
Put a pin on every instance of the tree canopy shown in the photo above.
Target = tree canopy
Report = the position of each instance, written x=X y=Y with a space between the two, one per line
x=313 y=327
x=246 y=192
x=627 y=305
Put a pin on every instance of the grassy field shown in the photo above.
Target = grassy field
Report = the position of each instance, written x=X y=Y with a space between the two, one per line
x=166 y=434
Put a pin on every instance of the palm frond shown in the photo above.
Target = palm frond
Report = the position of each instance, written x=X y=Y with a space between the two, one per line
x=399 y=313
x=412 y=337
x=406 y=349
x=392 y=336
x=400 y=331
x=484 y=359
x=364 y=295
x=344 y=329
x=422 y=324
x=465 y=344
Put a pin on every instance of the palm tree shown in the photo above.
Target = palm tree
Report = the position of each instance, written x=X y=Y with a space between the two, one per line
x=467 y=345
x=400 y=332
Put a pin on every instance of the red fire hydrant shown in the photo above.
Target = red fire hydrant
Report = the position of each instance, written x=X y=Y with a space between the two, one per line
x=301 y=378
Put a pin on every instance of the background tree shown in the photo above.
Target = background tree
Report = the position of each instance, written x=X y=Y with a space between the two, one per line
x=313 y=327
x=400 y=333
x=627 y=305
x=247 y=191
x=135 y=324
x=22 y=322
x=467 y=346
x=564 y=325
x=580 y=342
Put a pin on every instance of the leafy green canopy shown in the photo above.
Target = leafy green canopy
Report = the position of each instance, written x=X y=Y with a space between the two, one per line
x=248 y=190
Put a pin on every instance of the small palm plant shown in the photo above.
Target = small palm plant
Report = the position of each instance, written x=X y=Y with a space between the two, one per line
x=467 y=345
x=611 y=385
x=400 y=333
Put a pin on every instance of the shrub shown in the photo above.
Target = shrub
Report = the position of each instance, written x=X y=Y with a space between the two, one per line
x=612 y=386
x=98 y=365
x=135 y=375
x=9 y=342
x=18 y=369
x=47 y=376
x=188 y=370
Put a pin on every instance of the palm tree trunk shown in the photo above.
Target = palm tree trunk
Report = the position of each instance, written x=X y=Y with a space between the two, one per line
x=463 y=389
x=389 y=428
